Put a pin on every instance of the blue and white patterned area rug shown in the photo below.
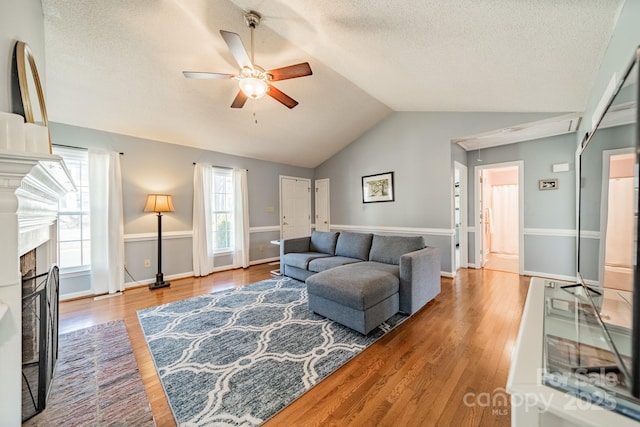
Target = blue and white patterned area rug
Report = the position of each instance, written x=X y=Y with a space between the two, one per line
x=238 y=357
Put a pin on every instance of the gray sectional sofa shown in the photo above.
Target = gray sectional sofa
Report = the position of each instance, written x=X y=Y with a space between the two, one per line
x=362 y=279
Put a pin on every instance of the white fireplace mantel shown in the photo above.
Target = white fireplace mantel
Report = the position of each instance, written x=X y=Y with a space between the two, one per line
x=30 y=188
x=39 y=181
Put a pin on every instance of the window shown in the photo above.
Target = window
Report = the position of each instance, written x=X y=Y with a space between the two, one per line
x=222 y=206
x=74 y=236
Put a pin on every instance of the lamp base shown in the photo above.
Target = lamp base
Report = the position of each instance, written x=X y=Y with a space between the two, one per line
x=158 y=285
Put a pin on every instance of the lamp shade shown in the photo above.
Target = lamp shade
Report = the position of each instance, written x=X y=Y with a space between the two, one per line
x=159 y=203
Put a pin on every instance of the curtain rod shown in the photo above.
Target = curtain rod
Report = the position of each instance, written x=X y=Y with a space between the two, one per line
x=77 y=148
x=222 y=167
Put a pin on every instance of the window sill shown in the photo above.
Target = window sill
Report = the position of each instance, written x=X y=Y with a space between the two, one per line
x=70 y=272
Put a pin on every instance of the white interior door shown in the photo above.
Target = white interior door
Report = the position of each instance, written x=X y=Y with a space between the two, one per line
x=295 y=207
x=322 y=205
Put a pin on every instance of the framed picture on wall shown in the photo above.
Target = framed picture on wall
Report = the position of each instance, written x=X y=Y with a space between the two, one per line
x=377 y=188
x=548 y=184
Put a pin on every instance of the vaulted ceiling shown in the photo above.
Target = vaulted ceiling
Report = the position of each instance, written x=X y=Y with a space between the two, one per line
x=117 y=66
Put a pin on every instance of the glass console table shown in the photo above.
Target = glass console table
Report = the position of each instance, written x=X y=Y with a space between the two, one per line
x=584 y=355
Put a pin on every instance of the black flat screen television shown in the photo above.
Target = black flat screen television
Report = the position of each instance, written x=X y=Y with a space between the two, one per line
x=608 y=223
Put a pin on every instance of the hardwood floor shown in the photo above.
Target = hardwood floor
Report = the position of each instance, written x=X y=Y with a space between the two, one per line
x=443 y=366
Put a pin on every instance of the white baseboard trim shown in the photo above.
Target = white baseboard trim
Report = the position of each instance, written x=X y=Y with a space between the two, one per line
x=393 y=229
x=550 y=276
x=152 y=280
x=447 y=274
x=75 y=295
x=190 y=273
x=264 y=260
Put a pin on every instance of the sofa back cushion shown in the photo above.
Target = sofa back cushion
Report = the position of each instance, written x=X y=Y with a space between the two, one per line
x=354 y=245
x=324 y=241
x=389 y=249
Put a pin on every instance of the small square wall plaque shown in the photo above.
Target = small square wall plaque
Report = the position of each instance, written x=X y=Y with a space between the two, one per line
x=548 y=184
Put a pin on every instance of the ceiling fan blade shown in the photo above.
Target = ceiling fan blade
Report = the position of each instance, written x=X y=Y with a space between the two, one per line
x=237 y=49
x=239 y=101
x=291 y=72
x=281 y=97
x=202 y=75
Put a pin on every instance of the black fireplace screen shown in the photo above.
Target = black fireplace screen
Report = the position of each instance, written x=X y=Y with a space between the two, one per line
x=39 y=338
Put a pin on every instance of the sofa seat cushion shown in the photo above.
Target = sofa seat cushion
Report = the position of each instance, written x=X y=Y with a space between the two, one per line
x=380 y=266
x=358 y=291
x=301 y=259
x=389 y=249
x=354 y=245
x=325 y=263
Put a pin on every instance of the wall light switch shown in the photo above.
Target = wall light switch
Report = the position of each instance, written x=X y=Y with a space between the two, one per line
x=561 y=167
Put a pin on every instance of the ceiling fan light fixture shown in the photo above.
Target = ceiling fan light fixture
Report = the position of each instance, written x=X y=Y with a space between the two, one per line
x=254 y=81
x=253 y=87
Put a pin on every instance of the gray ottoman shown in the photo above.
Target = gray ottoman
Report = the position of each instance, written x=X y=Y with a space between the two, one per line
x=359 y=301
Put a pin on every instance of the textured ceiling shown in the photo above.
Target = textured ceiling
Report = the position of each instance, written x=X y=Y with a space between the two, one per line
x=117 y=66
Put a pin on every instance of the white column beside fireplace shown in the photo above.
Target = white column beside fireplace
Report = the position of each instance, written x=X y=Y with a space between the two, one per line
x=30 y=187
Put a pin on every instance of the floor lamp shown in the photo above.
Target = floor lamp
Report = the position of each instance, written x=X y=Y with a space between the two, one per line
x=159 y=203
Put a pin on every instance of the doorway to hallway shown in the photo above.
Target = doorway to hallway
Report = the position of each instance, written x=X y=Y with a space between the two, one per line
x=499 y=216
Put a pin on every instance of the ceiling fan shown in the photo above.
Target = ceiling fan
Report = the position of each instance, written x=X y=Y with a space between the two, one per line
x=253 y=80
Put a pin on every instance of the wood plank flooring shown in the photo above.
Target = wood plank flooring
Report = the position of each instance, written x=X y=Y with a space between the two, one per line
x=442 y=367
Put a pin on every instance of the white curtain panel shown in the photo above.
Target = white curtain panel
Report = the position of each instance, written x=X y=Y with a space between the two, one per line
x=107 y=231
x=240 y=219
x=504 y=233
x=203 y=251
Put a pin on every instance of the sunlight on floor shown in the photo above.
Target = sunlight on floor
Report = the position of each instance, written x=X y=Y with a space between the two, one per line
x=502 y=262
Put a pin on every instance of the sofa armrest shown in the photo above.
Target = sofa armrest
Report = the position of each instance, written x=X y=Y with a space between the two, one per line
x=419 y=278
x=297 y=244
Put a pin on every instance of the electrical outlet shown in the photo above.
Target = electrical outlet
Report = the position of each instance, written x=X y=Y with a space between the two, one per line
x=147 y=263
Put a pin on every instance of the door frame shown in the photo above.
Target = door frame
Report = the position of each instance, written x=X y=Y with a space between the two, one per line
x=308 y=180
x=315 y=184
x=479 y=256
x=464 y=217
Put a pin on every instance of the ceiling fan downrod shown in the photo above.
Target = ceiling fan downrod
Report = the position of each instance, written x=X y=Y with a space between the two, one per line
x=252 y=19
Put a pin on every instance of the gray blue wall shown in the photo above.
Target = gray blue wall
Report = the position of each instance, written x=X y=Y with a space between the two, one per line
x=152 y=166
x=20 y=20
x=417 y=148
x=549 y=216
